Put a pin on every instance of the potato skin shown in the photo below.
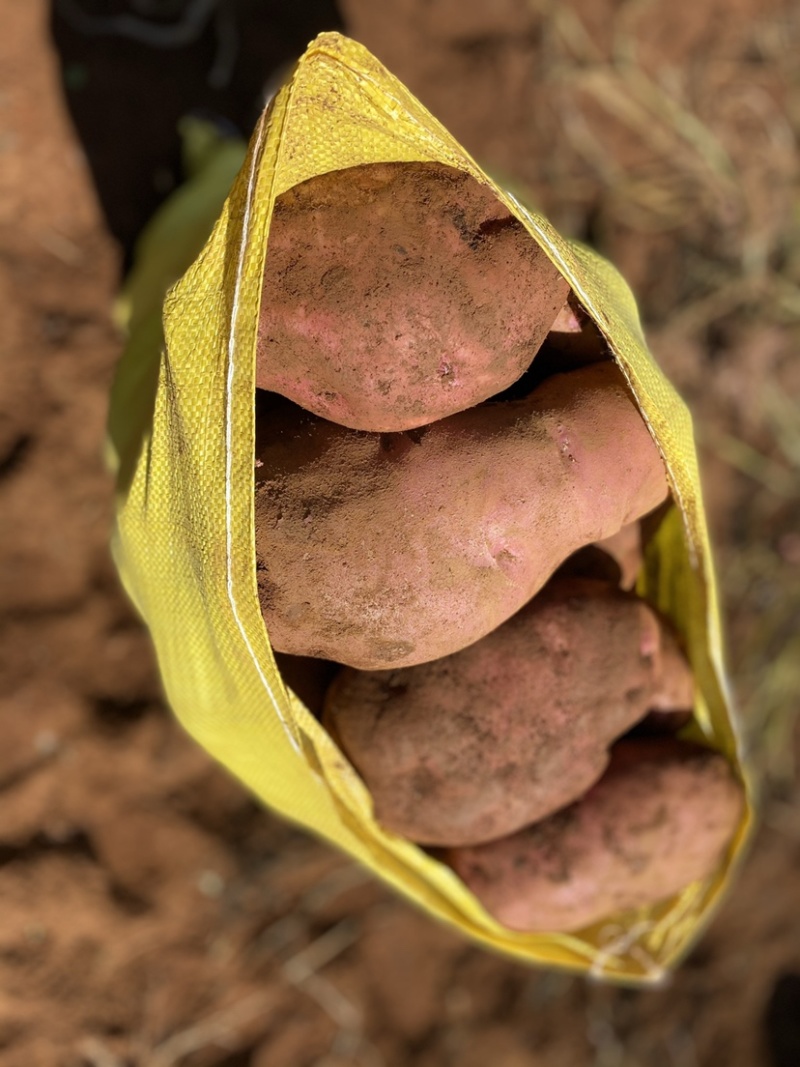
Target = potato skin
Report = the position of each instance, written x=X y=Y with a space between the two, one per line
x=475 y=746
x=396 y=294
x=657 y=820
x=387 y=550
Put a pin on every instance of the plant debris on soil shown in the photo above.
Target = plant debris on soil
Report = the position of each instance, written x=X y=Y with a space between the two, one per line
x=151 y=914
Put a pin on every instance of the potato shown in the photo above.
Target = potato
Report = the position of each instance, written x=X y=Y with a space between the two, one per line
x=386 y=550
x=476 y=745
x=625 y=548
x=396 y=294
x=658 y=820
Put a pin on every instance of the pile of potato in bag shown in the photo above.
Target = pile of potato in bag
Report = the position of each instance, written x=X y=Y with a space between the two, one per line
x=450 y=481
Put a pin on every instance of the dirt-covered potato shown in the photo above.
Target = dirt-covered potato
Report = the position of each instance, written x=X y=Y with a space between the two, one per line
x=476 y=745
x=396 y=294
x=657 y=820
x=386 y=550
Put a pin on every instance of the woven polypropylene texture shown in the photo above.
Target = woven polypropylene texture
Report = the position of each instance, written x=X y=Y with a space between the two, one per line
x=184 y=538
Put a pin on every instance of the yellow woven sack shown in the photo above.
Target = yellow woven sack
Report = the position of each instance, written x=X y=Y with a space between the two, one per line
x=182 y=439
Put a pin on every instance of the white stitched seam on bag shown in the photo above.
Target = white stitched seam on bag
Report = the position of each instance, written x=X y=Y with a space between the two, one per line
x=251 y=182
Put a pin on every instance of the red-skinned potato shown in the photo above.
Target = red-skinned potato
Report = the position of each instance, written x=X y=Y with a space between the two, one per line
x=396 y=294
x=657 y=820
x=387 y=550
x=475 y=746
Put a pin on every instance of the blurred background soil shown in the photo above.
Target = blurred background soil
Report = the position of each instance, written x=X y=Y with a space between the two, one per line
x=151 y=914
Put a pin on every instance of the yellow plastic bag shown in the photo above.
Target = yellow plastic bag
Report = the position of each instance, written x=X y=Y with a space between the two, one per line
x=182 y=438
